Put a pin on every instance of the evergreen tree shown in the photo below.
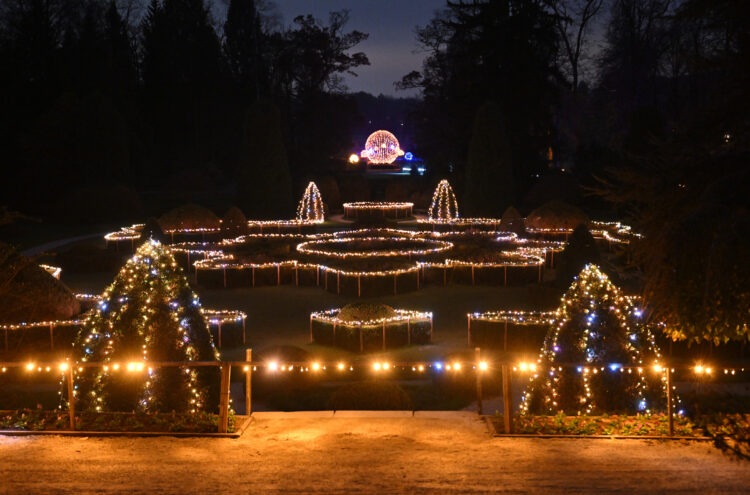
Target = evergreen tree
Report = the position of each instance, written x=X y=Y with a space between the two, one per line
x=580 y=250
x=599 y=328
x=149 y=313
x=243 y=40
x=181 y=69
x=265 y=185
x=489 y=172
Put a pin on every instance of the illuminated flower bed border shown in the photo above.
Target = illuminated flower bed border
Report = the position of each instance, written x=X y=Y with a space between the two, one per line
x=372 y=209
x=513 y=317
x=322 y=272
x=409 y=317
x=215 y=317
x=314 y=247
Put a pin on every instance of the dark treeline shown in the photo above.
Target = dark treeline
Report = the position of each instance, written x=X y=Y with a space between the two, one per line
x=162 y=96
x=643 y=102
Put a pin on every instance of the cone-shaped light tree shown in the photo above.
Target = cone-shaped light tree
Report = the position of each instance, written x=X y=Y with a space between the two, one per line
x=310 y=207
x=148 y=314
x=598 y=355
x=444 y=206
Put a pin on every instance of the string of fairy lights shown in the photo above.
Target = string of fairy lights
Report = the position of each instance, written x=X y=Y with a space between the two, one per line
x=332 y=316
x=701 y=370
x=444 y=206
x=310 y=208
x=593 y=289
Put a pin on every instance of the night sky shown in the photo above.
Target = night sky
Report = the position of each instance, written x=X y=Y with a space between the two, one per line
x=392 y=43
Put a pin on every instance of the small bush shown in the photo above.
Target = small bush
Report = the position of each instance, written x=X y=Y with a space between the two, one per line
x=365 y=312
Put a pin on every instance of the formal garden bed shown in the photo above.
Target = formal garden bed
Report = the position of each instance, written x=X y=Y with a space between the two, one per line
x=136 y=422
x=730 y=432
x=363 y=327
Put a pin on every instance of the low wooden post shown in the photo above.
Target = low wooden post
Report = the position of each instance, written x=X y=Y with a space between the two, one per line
x=243 y=331
x=361 y=340
x=311 y=333
x=468 y=330
x=224 y=398
x=359 y=285
x=507 y=400
x=51 y=337
x=477 y=359
x=219 y=333
x=383 y=335
x=505 y=337
x=430 y=329
x=278 y=274
x=334 y=334
x=670 y=411
x=338 y=283
x=249 y=382
x=6 y=340
x=71 y=397
x=317 y=275
x=472 y=274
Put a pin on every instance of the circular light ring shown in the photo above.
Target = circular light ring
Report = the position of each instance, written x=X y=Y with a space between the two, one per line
x=377 y=205
x=382 y=147
x=331 y=316
x=432 y=246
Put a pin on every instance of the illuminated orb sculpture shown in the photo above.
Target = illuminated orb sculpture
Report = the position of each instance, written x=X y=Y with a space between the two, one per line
x=381 y=147
x=444 y=206
x=354 y=158
x=310 y=208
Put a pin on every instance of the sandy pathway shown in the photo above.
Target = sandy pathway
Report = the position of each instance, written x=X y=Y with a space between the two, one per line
x=353 y=455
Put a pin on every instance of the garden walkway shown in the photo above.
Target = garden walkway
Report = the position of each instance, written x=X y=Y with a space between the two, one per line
x=354 y=453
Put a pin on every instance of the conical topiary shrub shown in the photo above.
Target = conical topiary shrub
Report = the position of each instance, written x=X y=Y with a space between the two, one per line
x=310 y=207
x=148 y=314
x=444 y=206
x=597 y=357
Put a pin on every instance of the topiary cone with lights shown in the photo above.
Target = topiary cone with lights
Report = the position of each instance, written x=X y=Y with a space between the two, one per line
x=148 y=314
x=601 y=329
x=444 y=206
x=310 y=207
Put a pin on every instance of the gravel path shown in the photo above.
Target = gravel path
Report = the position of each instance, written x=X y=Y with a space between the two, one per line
x=280 y=452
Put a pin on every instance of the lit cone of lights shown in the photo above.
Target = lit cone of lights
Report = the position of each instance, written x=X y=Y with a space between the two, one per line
x=590 y=360
x=148 y=314
x=310 y=207
x=444 y=206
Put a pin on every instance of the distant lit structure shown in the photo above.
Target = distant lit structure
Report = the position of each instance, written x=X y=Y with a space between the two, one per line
x=381 y=148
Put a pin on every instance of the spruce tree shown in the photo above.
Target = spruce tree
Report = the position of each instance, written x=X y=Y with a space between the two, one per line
x=265 y=183
x=148 y=314
x=598 y=355
x=489 y=171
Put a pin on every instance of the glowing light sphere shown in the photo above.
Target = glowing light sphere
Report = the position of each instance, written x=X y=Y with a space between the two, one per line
x=444 y=205
x=354 y=158
x=310 y=208
x=382 y=147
